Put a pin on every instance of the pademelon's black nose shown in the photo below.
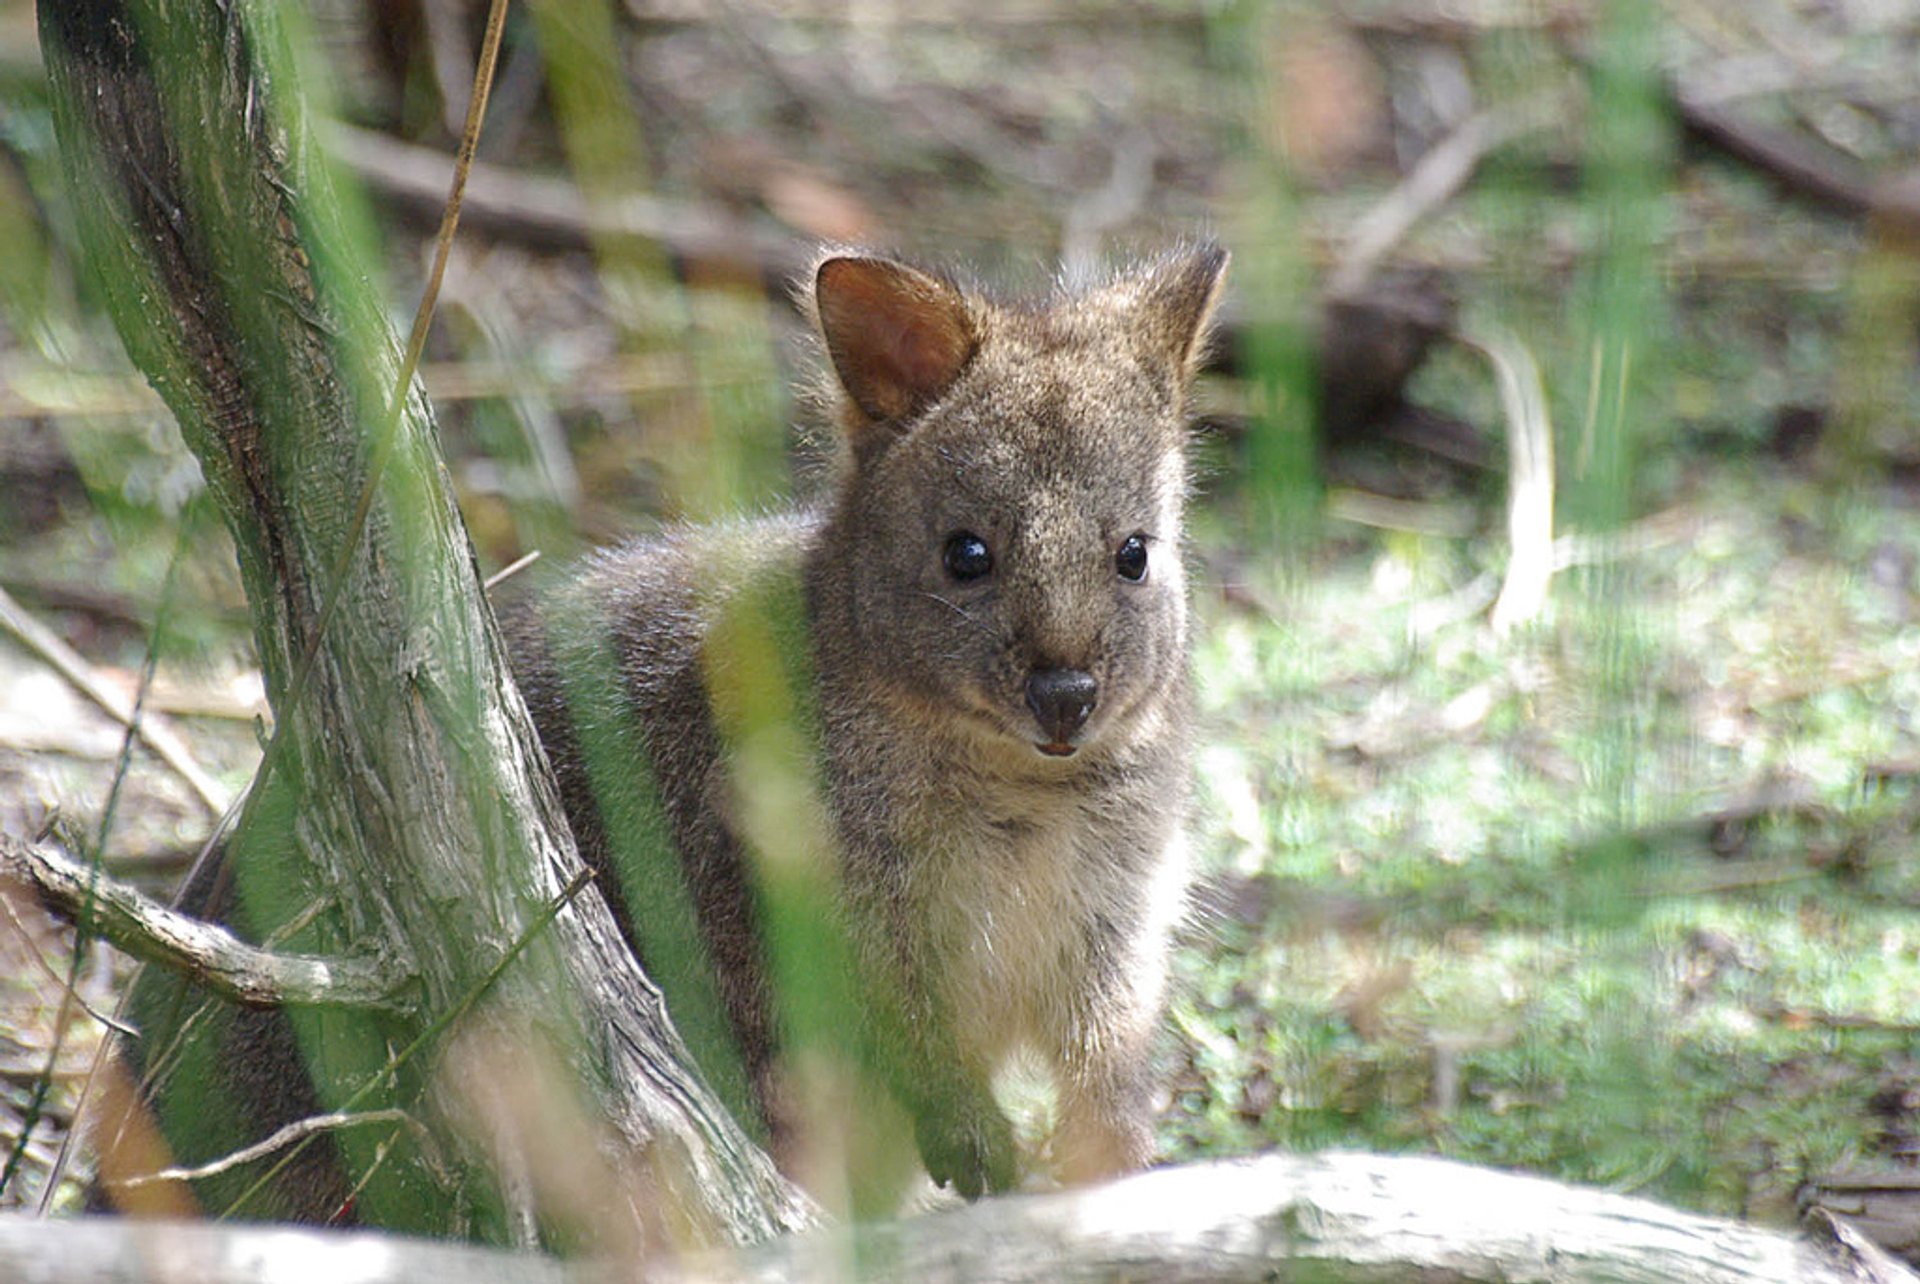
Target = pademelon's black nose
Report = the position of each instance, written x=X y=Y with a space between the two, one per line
x=1061 y=699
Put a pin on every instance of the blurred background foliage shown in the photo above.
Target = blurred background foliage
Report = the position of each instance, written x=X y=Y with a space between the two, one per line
x=1557 y=546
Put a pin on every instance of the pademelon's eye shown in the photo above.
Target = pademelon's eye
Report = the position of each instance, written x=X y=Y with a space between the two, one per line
x=1131 y=560
x=967 y=556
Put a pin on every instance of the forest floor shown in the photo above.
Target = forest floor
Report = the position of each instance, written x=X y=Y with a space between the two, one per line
x=1624 y=893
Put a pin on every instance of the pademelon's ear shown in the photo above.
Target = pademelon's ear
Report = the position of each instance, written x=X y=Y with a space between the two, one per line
x=1175 y=302
x=898 y=337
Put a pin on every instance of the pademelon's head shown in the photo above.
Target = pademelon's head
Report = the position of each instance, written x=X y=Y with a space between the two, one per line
x=1005 y=535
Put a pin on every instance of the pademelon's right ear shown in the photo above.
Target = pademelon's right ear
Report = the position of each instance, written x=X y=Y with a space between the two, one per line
x=897 y=336
x=1177 y=297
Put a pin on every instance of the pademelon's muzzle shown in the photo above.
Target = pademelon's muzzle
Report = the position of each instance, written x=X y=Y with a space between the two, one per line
x=1062 y=700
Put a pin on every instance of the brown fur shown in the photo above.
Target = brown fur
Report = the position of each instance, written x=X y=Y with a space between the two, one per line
x=1004 y=892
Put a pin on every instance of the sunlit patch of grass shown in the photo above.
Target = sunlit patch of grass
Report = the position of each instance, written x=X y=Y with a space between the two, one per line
x=1424 y=934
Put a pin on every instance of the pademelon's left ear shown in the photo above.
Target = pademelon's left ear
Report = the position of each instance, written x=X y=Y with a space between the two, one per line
x=1175 y=298
x=898 y=337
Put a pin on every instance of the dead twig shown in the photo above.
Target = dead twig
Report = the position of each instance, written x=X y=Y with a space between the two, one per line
x=29 y=392
x=1567 y=552
x=510 y=570
x=33 y=950
x=72 y=666
x=1417 y=517
x=1530 y=556
x=1798 y=164
x=298 y=1130
x=1814 y=170
x=553 y=212
x=1661 y=530
x=208 y=954
x=1433 y=181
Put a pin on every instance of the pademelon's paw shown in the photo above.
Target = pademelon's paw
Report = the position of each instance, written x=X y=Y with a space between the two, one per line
x=970 y=1150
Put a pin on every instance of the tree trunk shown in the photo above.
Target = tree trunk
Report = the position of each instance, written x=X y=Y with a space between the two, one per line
x=404 y=813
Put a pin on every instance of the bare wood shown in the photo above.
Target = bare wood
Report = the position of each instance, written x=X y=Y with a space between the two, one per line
x=1866 y=1198
x=1799 y=164
x=211 y=955
x=29 y=390
x=1802 y=165
x=554 y=213
x=1338 y=1218
x=101 y=1250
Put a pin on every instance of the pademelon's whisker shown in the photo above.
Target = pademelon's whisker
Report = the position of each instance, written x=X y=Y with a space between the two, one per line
x=958 y=610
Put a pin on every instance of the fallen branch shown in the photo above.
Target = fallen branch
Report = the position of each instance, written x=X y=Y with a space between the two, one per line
x=1798 y=164
x=1876 y=1201
x=112 y=1250
x=1340 y=1218
x=553 y=212
x=208 y=954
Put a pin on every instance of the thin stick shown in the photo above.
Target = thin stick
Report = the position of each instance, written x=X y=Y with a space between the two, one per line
x=32 y=947
x=552 y=212
x=27 y=391
x=510 y=570
x=153 y=732
x=298 y=1130
x=435 y=1029
x=1433 y=181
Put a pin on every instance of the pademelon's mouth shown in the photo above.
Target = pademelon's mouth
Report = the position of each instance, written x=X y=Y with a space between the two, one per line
x=1057 y=749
